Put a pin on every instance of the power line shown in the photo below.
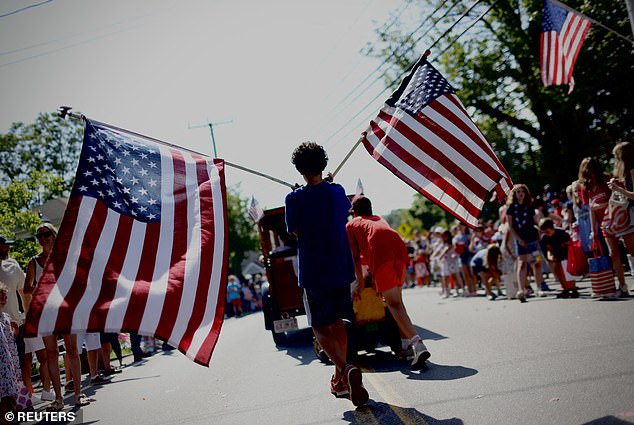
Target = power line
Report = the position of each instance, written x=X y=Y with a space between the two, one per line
x=395 y=18
x=400 y=57
x=371 y=115
x=25 y=8
x=396 y=80
x=391 y=66
x=385 y=61
x=469 y=27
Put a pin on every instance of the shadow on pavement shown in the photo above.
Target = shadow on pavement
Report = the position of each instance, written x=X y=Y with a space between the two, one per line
x=384 y=413
x=438 y=372
x=299 y=345
x=426 y=334
x=384 y=361
x=608 y=420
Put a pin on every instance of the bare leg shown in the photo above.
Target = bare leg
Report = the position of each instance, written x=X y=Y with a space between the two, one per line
x=52 y=354
x=26 y=370
x=70 y=342
x=458 y=281
x=484 y=277
x=522 y=278
x=394 y=300
x=92 y=362
x=334 y=341
x=613 y=246
x=45 y=376
x=539 y=275
x=106 y=348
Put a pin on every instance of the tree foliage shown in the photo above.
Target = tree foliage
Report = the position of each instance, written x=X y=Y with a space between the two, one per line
x=242 y=235
x=16 y=215
x=540 y=134
x=422 y=214
x=50 y=144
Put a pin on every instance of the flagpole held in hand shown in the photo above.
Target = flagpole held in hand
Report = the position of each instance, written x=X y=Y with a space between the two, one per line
x=64 y=111
x=345 y=159
x=348 y=155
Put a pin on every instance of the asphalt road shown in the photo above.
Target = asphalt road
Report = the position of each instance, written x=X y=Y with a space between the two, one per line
x=547 y=361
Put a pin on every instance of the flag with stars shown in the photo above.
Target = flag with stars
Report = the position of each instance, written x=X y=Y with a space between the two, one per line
x=142 y=246
x=563 y=33
x=424 y=135
x=255 y=210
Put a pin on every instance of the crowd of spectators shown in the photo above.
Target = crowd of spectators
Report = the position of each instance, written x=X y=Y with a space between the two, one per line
x=533 y=237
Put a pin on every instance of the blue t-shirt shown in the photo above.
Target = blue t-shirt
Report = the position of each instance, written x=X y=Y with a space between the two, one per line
x=523 y=221
x=318 y=214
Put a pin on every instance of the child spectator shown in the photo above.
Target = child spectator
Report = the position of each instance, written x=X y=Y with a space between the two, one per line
x=486 y=264
x=10 y=372
x=247 y=296
x=234 y=292
x=479 y=241
x=520 y=215
x=554 y=242
x=461 y=241
x=449 y=266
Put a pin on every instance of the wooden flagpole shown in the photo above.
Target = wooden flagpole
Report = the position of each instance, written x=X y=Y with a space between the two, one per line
x=64 y=111
x=356 y=145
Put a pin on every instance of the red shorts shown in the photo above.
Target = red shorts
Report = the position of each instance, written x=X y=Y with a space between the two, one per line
x=389 y=275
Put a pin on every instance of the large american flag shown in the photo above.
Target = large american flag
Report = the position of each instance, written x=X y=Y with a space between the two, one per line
x=563 y=33
x=424 y=135
x=142 y=246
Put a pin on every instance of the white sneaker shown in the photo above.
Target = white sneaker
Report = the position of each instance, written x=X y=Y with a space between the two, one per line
x=521 y=296
x=420 y=354
x=47 y=395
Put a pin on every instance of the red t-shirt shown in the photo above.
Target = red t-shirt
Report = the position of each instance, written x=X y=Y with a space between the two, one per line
x=372 y=238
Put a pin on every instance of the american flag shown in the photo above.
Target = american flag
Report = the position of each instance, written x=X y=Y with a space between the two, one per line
x=424 y=135
x=255 y=210
x=359 y=190
x=142 y=246
x=563 y=32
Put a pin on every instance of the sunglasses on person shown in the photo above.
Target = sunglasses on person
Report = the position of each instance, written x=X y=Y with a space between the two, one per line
x=44 y=235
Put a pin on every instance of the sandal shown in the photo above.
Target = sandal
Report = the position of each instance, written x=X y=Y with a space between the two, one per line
x=82 y=400
x=55 y=406
x=69 y=387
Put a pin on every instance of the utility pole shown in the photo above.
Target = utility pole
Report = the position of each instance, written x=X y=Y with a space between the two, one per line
x=211 y=129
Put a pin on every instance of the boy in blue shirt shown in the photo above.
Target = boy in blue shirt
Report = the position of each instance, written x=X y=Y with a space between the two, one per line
x=554 y=243
x=317 y=213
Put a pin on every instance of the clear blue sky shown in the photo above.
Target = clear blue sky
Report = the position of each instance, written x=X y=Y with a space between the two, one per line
x=277 y=69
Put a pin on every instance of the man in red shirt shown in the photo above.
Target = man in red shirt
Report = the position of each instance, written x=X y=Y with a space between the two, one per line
x=375 y=244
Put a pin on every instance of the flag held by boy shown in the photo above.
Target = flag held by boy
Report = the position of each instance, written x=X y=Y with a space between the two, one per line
x=424 y=135
x=142 y=246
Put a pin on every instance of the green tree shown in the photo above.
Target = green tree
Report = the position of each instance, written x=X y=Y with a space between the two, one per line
x=540 y=134
x=16 y=216
x=423 y=214
x=242 y=235
x=49 y=144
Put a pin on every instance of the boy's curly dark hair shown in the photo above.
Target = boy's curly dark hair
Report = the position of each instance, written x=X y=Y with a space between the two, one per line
x=309 y=158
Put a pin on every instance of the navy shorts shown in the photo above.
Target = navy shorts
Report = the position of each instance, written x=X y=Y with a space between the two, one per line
x=477 y=265
x=528 y=249
x=325 y=306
